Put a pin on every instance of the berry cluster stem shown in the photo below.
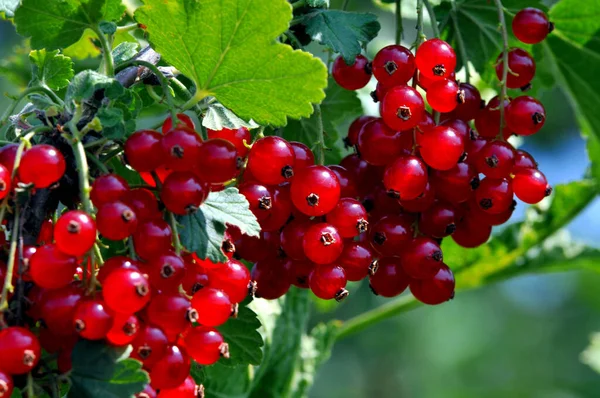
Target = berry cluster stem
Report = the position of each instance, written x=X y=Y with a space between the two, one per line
x=175 y=232
x=10 y=267
x=420 y=35
x=504 y=32
x=321 y=134
x=399 y=27
x=109 y=64
x=432 y=18
x=461 y=43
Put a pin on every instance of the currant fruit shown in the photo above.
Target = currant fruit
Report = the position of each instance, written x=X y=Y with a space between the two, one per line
x=183 y=120
x=19 y=349
x=315 y=190
x=213 y=306
x=434 y=290
x=435 y=59
x=525 y=115
x=204 y=344
x=496 y=159
x=108 y=188
x=232 y=278
x=530 y=185
x=116 y=221
x=92 y=319
x=521 y=68
x=143 y=150
x=171 y=370
x=402 y=108
x=531 y=25
x=390 y=234
x=393 y=65
x=494 y=195
x=240 y=138
x=75 y=233
x=304 y=156
x=406 y=178
x=349 y=217
x=42 y=165
x=126 y=291
x=356 y=260
x=271 y=160
x=439 y=220
x=379 y=145
x=444 y=95
x=217 y=161
x=328 y=281
x=354 y=76
x=389 y=280
x=50 y=268
x=441 y=147
x=422 y=259
x=152 y=238
x=183 y=192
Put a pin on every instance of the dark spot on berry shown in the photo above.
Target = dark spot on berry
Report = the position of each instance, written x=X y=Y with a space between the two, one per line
x=228 y=246
x=73 y=227
x=167 y=271
x=265 y=203
x=548 y=191
x=492 y=161
x=485 y=203
x=177 y=151
x=537 y=118
x=191 y=209
x=390 y=67
x=526 y=87
x=373 y=267
x=475 y=183
x=287 y=171
x=374 y=96
x=362 y=225
x=196 y=287
x=550 y=27
x=460 y=96
x=191 y=315
x=142 y=289
x=404 y=113
x=379 y=238
x=327 y=239
x=224 y=350
x=450 y=228
x=79 y=325
x=312 y=199
x=437 y=256
x=144 y=351
x=439 y=70
x=341 y=295
x=129 y=328
x=463 y=157
x=369 y=68
x=473 y=135
x=127 y=215
x=393 y=194
x=234 y=310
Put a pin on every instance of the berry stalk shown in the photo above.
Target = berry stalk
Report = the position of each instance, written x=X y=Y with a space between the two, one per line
x=14 y=235
x=461 y=44
x=399 y=28
x=109 y=64
x=504 y=62
x=433 y=20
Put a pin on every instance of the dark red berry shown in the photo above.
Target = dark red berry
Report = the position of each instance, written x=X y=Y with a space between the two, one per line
x=357 y=260
x=495 y=159
x=19 y=349
x=470 y=107
x=355 y=128
x=183 y=192
x=472 y=232
x=525 y=115
x=143 y=150
x=390 y=234
x=521 y=68
x=422 y=202
x=5 y=181
x=494 y=195
x=389 y=279
x=271 y=160
x=165 y=271
x=531 y=25
x=183 y=120
x=435 y=290
x=530 y=185
x=422 y=259
x=281 y=209
x=50 y=268
x=143 y=203
x=523 y=160
x=292 y=239
x=322 y=243
x=487 y=121
x=75 y=233
x=354 y=76
x=232 y=278
x=170 y=370
x=6 y=385
x=171 y=312
x=116 y=221
x=152 y=238
x=124 y=330
x=435 y=59
x=349 y=217
x=304 y=156
x=315 y=190
x=347 y=184
x=236 y=136
x=92 y=319
x=272 y=276
x=455 y=185
x=149 y=345
x=217 y=161
x=406 y=178
x=378 y=144
x=402 y=108
x=114 y=263
x=393 y=65
x=108 y=188
x=181 y=148
x=328 y=281
x=439 y=220
x=57 y=309
x=300 y=271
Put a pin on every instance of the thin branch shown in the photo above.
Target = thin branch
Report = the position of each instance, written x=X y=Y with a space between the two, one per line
x=12 y=253
x=175 y=232
x=109 y=65
x=461 y=44
x=399 y=27
x=504 y=63
x=321 y=135
x=434 y=25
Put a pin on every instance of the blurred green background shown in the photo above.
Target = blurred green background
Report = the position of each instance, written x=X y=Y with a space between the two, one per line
x=521 y=338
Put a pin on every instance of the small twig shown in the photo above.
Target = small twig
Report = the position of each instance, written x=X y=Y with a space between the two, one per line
x=321 y=135
x=175 y=232
x=109 y=66
x=504 y=32
x=14 y=236
x=399 y=27
x=461 y=44
x=127 y=28
x=434 y=25
x=345 y=5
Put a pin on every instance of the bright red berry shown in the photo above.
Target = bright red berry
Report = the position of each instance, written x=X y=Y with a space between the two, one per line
x=116 y=221
x=521 y=68
x=114 y=263
x=435 y=59
x=183 y=120
x=126 y=291
x=171 y=370
x=406 y=178
x=354 y=129
x=357 y=260
x=143 y=150
x=441 y=147
x=349 y=217
x=183 y=192
x=422 y=259
x=213 y=306
x=393 y=65
x=235 y=136
x=531 y=25
x=304 y=156
x=149 y=345
x=487 y=121
x=402 y=108
x=389 y=279
x=75 y=233
x=50 y=268
x=281 y=208
x=124 y=330
x=435 y=290
x=494 y=195
x=444 y=95
x=315 y=190
x=232 y=278
x=19 y=349
x=347 y=185
x=378 y=144
x=6 y=385
x=328 y=281
x=471 y=105
x=530 y=185
x=165 y=271
x=322 y=243
x=58 y=307
x=204 y=344
x=271 y=160
x=171 y=312
x=187 y=389
x=217 y=161
x=152 y=238
x=92 y=319
x=525 y=115
x=495 y=159
x=181 y=149
x=108 y=188
x=354 y=76
x=42 y=165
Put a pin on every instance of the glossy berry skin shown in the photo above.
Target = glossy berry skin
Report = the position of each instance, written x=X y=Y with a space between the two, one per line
x=328 y=281
x=75 y=233
x=435 y=290
x=402 y=108
x=393 y=65
x=390 y=279
x=487 y=122
x=143 y=150
x=272 y=275
x=165 y=271
x=461 y=128
x=149 y=345
x=523 y=160
x=57 y=309
x=6 y=385
x=171 y=370
x=204 y=344
x=422 y=259
x=425 y=82
x=531 y=25
x=495 y=159
x=42 y=165
x=232 y=278
x=351 y=77
x=183 y=192
x=472 y=232
x=260 y=198
x=455 y=185
x=8 y=153
x=19 y=349
x=378 y=144
x=521 y=67
x=441 y=147
x=116 y=221
x=530 y=185
x=304 y=156
x=235 y=136
x=124 y=330
x=281 y=209
x=183 y=120
x=181 y=149
x=108 y=188
x=271 y=160
x=213 y=306
x=152 y=238
x=439 y=220
x=113 y=263
x=421 y=203
x=349 y=217
x=5 y=181
x=435 y=59
x=494 y=196
x=356 y=259
x=171 y=312
x=143 y=203
x=322 y=243
x=390 y=234
x=126 y=291
x=444 y=95
x=471 y=106
x=347 y=184
x=217 y=161
x=355 y=127
x=92 y=319
x=300 y=271
x=315 y=190
x=187 y=389
x=292 y=239
x=525 y=115
x=406 y=177
x=50 y=268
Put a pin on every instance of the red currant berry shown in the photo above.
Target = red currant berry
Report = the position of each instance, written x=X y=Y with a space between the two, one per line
x=378 y=144
x=143 y=203
x=444 y=95
x=435 y=290
x=183 y=120
x=149 y=345
x=354 y=129
x=204 y=344
x=389 y=279
x=322 y=243
x=304 y=156
x=260 y=199
x=271 y=160
x=42 y=165
x=531 y=25
x=521 y=68
x=217 y=161
x=183 y=192
x=181 y=149
x=495 y=159
x=75 y=233
x=143 y=150
x=272 y=276
x=441 y=147
x=213 y=306
x=455 y=185
x=114 y=263
x=390 y=234
x=46 y=232
x=6 y=385
x=380 y=92
x=57 y=309
x=523 y=160
x=530 y=185
x=126 y=291
x=474 y=144
x=235 y=136
x=187 y=389
x=19 y=349
x=166 y=271
x=494 y=195
x=473 y=212
x=356 y=259
x=422 y=259
x=108 y=188
x=232 y=278
x=402 y=108
x=435 y=59
x=299 y=272
x=281 y=209
x=116 y=221
x=425 y=82
x=470 y=107
x=171 y=370
x=328 y=281
x=5 y=181
x=421 y=203
x=152 y=238
x=349 y=217
x=358 y=170
x=292 y=239
x=525 y=115
x=196 y=277
x=406 y=178
x=354 y=76
x=124 y=330
x=347 y=185
x=487 y=121
x=8 y=154
x=171 y=312
x=393 y=65
x=92 y=319
x=50 y=268
x=315 y=190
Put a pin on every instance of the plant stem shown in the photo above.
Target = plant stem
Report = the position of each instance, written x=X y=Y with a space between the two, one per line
x=109 y=64
x=97 y=163
x=127 y=28
x=420 y=36
x=345 y=5
x=299 y=4
x=111 y=154
x=83 y=170
x=504 y=32
x=434 y=25
x=461 y=44
x=179 y=87
x=399 y=28
x=14 y=235
x=175 y=232
x=321 y=135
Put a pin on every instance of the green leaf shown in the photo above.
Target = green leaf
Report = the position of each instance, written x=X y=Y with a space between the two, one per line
x=343 y=32
x=243 y=338
x=275 y=375
x=8 y=7
x=108 y=28
x=85 y=84
x=124 y=51
x=15 y=66
x=58 y=24
x=118 y=114
x=229 y=49
x=218 y=117
x=51 y=68
x=86 y=47
x=221 y=381
x=101 y=370
x=203 y=231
